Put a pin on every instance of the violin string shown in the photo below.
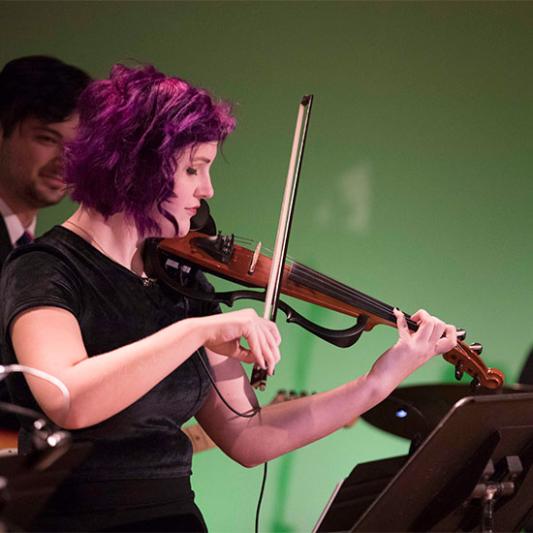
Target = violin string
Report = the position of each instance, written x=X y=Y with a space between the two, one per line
x=309 y=277
x=340 y=293
x=244 y=240
x=307 y=271
x=313 y=279
x=253 y=243
x=347 y=294
x=310 y=274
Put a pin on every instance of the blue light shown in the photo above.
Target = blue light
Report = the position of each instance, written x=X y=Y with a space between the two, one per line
x=401 y=413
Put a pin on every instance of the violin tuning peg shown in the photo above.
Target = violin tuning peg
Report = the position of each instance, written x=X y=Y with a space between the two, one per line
x=476 y=347
x=459 y=370
x=461 y=334
x=475 y=384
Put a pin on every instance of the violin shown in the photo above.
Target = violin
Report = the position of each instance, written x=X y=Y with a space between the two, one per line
x=221 y=256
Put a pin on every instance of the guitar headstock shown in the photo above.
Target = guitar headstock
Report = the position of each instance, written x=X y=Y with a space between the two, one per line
x=284 y=395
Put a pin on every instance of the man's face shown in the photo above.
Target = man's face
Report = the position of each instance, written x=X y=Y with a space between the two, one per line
x=31 y=162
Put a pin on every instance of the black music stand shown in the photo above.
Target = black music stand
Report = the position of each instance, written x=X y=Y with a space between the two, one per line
x=472 y=473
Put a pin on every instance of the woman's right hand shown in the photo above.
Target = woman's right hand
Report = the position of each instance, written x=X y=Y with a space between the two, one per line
x=224 y=333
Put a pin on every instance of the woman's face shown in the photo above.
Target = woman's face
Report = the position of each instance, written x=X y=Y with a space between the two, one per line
x=192 y=183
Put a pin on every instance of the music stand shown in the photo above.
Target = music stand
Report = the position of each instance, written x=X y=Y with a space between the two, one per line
x=472 y=473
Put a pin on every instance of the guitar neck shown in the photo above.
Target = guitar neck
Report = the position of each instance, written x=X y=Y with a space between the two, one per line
x=199 y=438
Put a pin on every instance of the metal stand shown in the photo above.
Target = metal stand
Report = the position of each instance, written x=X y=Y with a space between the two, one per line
x=28 y=486
x=491 y=489
x=472 y=473
x=28 y=481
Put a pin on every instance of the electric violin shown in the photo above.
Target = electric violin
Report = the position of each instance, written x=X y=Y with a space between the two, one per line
x=221 y=256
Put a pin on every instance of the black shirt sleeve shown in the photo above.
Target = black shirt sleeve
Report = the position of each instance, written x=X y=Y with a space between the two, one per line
x=36 y=277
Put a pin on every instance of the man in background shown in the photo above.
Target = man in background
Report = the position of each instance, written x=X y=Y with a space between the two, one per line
x=38 y=97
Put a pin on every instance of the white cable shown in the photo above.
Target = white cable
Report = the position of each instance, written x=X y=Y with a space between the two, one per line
x=8 y=369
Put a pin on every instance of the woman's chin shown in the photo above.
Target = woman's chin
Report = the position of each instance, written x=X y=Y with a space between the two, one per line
x=184 y=228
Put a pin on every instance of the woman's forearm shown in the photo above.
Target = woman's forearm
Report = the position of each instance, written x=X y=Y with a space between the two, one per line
x=103 y=385
x=289 y=426
x=286 y=426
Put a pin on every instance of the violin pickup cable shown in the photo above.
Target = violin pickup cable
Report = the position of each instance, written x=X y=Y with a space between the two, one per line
x=49 y=441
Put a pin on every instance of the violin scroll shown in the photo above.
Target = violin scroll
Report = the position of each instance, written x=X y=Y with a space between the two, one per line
x=466 y=359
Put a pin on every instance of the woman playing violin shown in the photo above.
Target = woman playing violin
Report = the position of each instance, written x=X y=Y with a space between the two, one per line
x=77 y=304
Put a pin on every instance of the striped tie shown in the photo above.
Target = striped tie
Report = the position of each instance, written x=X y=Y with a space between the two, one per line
x=25 y=238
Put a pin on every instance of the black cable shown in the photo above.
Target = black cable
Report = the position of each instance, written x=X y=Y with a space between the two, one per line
x=255 y=410
x=251 y=414
x=260 y=500
x=18 y=410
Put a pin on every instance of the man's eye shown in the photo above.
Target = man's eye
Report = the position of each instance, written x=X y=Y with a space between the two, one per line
x=46 y=139
x=191 y=171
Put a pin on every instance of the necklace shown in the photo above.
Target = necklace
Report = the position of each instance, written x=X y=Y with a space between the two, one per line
x=147 y=282
x=91 y=239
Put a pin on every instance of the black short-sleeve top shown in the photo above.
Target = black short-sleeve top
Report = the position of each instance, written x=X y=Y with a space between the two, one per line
x=113 y=307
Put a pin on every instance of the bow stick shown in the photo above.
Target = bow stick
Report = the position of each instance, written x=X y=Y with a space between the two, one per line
x=259 y=376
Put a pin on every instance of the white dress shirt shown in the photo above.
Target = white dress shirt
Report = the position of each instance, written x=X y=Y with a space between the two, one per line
x=13 y=224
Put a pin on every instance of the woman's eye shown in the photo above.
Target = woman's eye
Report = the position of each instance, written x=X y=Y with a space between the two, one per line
x=191 y=171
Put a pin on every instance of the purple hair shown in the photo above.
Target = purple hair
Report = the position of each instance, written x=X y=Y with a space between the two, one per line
x=133 y=128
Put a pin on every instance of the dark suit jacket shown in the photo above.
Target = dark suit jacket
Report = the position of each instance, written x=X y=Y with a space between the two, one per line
x=6 y=420
x=5 y=242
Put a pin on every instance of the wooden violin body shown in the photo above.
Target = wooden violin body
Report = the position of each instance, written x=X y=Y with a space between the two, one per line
x=220 y=256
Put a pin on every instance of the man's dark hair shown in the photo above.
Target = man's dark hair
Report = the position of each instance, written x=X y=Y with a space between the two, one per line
x=39 y=86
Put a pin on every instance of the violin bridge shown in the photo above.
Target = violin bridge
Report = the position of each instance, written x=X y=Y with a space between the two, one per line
x=255 y=258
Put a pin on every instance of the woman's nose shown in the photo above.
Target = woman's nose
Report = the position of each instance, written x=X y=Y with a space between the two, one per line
x=206 y=188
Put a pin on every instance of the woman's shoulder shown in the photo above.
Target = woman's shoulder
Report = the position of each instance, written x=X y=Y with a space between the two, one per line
x=40 y=273
x=43 y=254
x=40 y=266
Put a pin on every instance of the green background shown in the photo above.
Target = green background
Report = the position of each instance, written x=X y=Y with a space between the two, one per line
x=416 y=185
